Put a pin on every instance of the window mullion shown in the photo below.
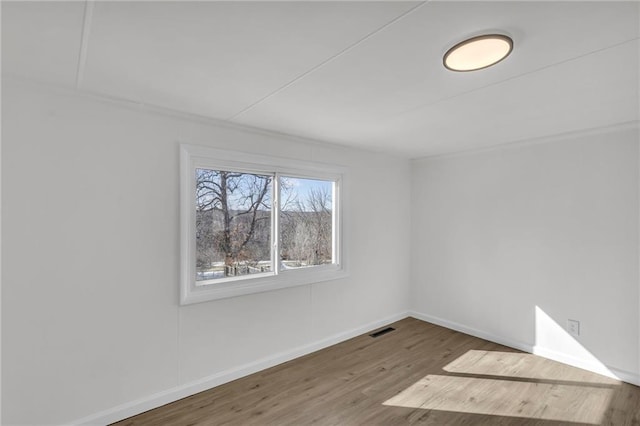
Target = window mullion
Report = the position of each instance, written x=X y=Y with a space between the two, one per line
x=275 y=225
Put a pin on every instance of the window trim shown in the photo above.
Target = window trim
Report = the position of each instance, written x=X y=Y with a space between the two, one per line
x=195 y=156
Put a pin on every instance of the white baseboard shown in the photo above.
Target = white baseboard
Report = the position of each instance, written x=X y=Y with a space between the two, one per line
x=625 y=376
x=472 y=331
x=596 y=367
x=170 y=395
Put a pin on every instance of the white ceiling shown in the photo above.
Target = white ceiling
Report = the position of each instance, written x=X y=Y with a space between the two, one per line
x=365 y=74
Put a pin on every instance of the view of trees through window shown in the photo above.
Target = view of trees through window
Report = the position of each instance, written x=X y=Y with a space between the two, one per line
x=306 y=222
x=234 y=223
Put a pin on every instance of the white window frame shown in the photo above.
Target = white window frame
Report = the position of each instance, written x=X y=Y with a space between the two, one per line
x=194 y=156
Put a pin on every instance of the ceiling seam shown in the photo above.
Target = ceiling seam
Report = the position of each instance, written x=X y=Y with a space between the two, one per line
x=412 y=110
x=330 y=59
x=84 y=41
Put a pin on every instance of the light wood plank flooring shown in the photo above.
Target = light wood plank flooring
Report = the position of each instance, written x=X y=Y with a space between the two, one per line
x=418 y=374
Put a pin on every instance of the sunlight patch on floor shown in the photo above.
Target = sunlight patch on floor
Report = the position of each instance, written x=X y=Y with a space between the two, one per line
x=521 y=365
x=545 y=401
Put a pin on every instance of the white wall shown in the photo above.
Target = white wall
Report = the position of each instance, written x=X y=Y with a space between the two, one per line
x=90 y=315
x=549 y=225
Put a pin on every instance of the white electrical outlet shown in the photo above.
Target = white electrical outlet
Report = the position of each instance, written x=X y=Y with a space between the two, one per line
x=573 y=326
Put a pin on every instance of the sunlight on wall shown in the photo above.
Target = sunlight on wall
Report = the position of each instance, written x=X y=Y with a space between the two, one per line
x=511 y=398
x=554 y=342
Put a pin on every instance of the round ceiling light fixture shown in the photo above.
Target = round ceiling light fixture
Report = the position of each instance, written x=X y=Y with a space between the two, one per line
x=478 y=52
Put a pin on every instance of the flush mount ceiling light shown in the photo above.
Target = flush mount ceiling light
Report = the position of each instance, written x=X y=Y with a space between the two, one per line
x=478 y=52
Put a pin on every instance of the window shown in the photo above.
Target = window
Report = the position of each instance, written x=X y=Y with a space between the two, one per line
x=253 y=223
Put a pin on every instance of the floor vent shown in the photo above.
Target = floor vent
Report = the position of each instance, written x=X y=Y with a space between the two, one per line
x=381 y=332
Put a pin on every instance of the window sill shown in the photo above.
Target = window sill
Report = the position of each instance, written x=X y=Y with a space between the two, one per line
x=285 y=279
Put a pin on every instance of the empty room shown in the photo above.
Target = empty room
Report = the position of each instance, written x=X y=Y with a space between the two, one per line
x=327 y=213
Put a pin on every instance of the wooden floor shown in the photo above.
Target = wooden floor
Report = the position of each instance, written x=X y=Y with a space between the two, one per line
x=418 y=374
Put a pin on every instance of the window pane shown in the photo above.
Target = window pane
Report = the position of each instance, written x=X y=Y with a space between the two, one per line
x=306 y=222
x=233 y=224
